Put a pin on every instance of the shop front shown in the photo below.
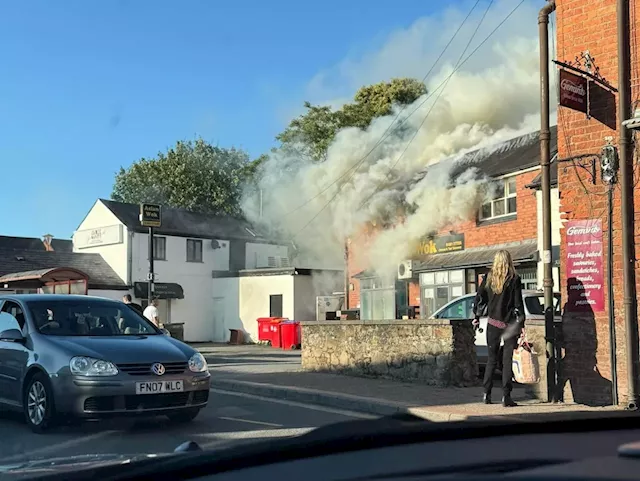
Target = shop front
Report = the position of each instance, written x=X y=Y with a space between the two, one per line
x=445 y=275
x=165 y=292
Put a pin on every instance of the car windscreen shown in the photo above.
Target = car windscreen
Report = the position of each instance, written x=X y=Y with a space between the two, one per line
x=88 y=318
x=535 y=304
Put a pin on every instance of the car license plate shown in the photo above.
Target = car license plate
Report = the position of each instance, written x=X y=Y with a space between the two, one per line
x=156 y=387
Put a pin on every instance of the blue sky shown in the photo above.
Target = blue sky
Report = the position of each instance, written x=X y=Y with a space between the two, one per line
x=88 y=87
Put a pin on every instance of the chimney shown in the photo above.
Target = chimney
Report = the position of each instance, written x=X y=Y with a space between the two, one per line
x=46 y=240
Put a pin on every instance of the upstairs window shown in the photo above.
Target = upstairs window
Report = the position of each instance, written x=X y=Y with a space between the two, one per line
x=503 y=203
x=194 y=250
x=159 y=248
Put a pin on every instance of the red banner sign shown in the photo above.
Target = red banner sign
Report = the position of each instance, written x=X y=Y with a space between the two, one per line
x=585 y=275
x=573 y=91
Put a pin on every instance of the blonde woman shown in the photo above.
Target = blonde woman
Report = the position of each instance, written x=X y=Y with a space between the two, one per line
x=501 y=294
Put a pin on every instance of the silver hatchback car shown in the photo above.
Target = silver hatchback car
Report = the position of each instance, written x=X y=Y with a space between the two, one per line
x=88 y=357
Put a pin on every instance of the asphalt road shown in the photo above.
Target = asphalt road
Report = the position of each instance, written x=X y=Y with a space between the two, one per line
x=229 y=419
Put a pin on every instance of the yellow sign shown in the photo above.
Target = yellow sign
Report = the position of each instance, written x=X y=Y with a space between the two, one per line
x=440 y=245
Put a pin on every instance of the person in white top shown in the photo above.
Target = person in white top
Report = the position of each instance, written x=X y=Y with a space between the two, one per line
x=151 y=312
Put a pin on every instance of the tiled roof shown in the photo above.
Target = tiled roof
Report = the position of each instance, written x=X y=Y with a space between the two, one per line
x=101 y=275
x=185 y=223
x=517 y=154
x=34 y=243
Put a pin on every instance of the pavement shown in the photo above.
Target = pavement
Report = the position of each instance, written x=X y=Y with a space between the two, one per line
x=275 y=373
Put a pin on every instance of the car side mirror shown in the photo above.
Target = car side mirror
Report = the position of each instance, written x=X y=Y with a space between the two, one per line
x=12 y=335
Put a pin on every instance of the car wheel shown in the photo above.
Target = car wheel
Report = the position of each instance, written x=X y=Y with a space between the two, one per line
x=184 y=416
x=38 y=404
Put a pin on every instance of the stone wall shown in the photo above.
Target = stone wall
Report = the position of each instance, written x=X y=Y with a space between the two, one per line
x=437 y=352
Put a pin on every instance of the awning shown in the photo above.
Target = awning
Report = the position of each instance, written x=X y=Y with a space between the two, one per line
x=55 y=274
x=161 y=290
x=525 y=251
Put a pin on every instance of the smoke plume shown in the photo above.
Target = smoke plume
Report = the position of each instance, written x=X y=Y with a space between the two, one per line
x=485 y=103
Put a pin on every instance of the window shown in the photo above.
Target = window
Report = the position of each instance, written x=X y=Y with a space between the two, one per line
x=459 y=309
x=160 y=248
x=535 y=305
x=504 y=200
x=529 y=277
x=194 y=250
x=275 y=305
x=440 y=288
x=377 y=299
x=90 y=317
x=15 y=310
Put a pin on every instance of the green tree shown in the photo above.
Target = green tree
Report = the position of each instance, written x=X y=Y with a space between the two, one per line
x=191 y=175
x=311 y=133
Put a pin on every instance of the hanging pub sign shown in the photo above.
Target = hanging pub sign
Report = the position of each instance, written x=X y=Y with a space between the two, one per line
x=574 y=91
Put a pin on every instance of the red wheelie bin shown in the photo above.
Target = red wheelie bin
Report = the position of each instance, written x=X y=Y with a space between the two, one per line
x=290 y=335
x=269 y=331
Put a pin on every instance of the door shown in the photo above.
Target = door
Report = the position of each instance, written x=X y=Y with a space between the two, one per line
x=219 y=331
x=13 y=355
x=275 y=305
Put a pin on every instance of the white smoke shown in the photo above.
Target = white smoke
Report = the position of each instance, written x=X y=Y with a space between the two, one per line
x=493 y=98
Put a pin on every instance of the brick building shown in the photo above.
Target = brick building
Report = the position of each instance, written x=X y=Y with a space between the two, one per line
x=447 y=264
x=589 y=26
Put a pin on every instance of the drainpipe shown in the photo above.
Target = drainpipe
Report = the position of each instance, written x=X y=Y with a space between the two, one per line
x=129 y=257
x=626 y=184
x=545 y=165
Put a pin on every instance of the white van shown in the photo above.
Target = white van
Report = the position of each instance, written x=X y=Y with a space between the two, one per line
x=462 y=309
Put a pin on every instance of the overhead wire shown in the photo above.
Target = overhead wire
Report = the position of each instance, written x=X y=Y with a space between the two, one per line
x=404 y=151
x=437 y=88
x=387 y=132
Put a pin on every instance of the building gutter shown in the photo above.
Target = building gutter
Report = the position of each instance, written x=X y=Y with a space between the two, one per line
x=626 y=181
x=545 y=166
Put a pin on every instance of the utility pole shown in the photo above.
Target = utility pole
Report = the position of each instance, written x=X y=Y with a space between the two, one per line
x=150 y=276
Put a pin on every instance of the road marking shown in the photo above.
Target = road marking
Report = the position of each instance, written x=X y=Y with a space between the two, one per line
x=222 y=438
x=251 y=422
x=32 y=453
x=313 y=407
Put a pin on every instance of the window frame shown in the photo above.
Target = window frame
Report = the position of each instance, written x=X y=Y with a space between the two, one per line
x=195 y=242
x=156 y=240
x=507 y=194
x=376 y=291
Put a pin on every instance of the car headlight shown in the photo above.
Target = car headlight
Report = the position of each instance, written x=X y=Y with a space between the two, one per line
x=197 y=363
x=88 y=366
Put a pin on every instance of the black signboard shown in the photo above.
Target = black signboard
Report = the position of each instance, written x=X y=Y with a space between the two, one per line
x=161 y=290
x=440 y=245
x=150 y=215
